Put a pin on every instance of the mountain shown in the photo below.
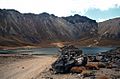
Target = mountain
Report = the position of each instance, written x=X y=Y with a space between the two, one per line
x=86 y=27
x=28 y=29
x=110 y=29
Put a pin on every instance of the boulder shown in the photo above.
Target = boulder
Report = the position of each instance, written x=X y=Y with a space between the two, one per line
x=77 y=69
x=69 y=57
x=92 y=67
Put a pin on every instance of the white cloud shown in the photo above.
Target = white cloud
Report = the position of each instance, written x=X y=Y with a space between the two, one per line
x=101 y=19
x=58 y=7
x=104 y=19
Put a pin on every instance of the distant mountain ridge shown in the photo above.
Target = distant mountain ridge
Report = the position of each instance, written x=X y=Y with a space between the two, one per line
x=28 y=29
x=110 y=29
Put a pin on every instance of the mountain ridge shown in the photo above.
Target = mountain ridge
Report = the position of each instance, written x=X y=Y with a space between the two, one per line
x=110 y=29
x=19 y=29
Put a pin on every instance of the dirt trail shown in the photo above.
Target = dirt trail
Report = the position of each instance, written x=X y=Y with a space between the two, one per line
x=26 y=69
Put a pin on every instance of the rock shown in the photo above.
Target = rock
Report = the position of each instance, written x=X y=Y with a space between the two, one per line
x=77 y=69
x=110 y=66
x=101 y=65
x=103 y=77
x=87 y=73
x=22 y=67
x=70 y=56
x=92 y=67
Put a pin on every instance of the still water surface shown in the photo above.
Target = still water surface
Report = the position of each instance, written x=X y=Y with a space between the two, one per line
x=86 y=50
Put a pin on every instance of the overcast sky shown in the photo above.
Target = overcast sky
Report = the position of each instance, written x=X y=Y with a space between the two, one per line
x=99 y=10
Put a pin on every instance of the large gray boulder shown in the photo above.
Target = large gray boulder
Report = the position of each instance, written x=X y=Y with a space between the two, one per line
x=69 y=57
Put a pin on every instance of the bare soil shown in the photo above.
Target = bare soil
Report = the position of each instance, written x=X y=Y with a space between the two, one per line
x=25 y=68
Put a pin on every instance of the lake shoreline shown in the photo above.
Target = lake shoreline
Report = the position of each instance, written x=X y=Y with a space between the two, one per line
x=50 y=51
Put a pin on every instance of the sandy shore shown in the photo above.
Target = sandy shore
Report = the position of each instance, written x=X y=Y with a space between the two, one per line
x=26 y=68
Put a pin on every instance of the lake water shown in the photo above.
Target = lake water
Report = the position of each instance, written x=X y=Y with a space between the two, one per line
x=94 y=50
x=86 y=50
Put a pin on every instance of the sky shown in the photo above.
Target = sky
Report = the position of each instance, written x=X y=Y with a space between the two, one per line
x=98 y=10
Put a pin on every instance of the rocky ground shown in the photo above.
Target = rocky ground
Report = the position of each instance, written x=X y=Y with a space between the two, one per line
x=102 y=73
x=35 y=68
x=39 y=67
x=105 y=65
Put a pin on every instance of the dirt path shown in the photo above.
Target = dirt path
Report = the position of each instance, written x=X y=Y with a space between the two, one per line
x=26 y=69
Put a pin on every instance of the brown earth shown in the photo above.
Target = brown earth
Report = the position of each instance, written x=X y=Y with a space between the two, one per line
x=25 y=68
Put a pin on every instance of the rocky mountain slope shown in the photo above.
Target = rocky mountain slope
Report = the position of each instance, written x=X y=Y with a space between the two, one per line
x=23 y=29
x=84 y=25
x=110 y=29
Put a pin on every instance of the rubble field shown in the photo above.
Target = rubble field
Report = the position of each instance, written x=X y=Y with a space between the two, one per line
x=73 y=64
x=102 y=73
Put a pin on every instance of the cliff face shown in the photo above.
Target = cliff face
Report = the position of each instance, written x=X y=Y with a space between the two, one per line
x=17 y=28
x=110 y=29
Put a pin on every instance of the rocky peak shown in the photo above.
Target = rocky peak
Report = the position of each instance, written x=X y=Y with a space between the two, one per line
x=84 y=25
x=78 y=19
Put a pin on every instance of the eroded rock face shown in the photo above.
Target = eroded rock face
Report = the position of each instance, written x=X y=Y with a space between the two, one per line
x=16 y=27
